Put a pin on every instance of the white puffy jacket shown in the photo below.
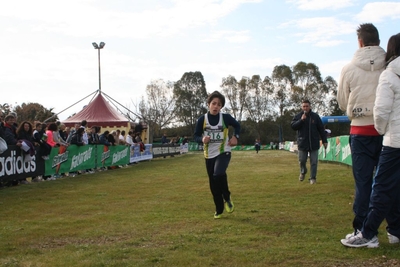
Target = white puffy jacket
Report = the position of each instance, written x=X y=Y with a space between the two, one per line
x=387 y=105
x=358 y=82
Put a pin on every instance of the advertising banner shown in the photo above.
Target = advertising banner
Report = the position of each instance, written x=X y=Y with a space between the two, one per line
x=338 y=150
x=118 y=155
x=137 y=155
x=70 y=159
x=75 y=158
x=13 y=165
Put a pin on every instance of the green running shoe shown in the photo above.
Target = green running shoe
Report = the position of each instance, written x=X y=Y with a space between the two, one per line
x=229 y=207
x=217 y=216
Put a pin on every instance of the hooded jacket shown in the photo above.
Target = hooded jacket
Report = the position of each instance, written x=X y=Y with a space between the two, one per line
x=358 y=82
x=309 y=131
x=387 y=105
x=10 y=135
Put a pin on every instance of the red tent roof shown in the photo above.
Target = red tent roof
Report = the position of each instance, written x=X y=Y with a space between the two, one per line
x=98 y=112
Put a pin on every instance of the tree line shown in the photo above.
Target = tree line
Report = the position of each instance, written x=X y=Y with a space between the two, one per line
x=264 y=106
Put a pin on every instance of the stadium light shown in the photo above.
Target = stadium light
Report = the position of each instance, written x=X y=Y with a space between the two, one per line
x=98 y=47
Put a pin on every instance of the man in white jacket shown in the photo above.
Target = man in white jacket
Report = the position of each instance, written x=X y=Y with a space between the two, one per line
x=385 y=197
x=356 y=96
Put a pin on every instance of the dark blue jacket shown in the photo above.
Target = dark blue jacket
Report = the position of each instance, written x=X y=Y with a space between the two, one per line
x=10 y=136
x=104 y=140
x=77 y=139
x=309 y=132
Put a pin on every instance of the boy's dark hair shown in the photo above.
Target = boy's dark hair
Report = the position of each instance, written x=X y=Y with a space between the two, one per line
x=80 y=130
x=84 y=123
x=216 y=94
x=393 y=47
x=306 y=101
x=369 y=34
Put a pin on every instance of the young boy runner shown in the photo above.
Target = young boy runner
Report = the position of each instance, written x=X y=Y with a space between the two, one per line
x=212 y=129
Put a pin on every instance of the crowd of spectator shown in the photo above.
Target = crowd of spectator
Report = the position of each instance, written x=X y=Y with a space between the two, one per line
x=39 y=138
x=174 y=140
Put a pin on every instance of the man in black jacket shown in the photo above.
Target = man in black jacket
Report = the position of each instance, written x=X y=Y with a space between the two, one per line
x=310 y=130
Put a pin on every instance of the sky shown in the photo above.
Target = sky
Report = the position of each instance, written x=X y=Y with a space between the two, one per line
x=47 y=57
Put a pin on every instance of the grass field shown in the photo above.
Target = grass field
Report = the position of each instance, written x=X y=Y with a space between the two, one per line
x=160 y=213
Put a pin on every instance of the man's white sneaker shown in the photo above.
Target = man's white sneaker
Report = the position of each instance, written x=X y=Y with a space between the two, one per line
x=352 y=234
x=359 y=241
x=393 y=239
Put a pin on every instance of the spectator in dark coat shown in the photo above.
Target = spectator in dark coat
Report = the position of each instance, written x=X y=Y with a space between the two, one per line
x=104 y=138
x=10 y=133
x=77 y=137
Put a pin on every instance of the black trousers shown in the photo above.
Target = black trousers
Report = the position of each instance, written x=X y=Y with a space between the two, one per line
x=216 y=170
x=385 y=197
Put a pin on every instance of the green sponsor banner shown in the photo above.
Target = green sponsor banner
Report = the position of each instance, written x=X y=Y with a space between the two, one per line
x=287 y=145
x=116 y=155
x=193 y=146
x=338 y=150
x=102 y=152
x=345 y=150
x=69 y=159
x=75 y=158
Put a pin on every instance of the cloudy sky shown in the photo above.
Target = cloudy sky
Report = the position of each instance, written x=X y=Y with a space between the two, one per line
x=47 y=57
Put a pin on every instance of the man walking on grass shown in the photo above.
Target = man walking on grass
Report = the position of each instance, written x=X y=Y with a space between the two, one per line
x=310 y=130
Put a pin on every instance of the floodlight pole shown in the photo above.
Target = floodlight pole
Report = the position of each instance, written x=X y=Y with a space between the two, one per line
x=98 y=47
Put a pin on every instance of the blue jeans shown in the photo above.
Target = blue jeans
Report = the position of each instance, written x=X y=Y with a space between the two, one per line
x=303 y=155
x=216 y=170
x=385 y=197
x=365 y=151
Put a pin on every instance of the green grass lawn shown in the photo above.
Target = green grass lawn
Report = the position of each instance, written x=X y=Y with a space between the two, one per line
x=160 y=213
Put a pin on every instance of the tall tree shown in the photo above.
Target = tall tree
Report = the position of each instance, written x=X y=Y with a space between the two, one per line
x=282 y=79
x=243 y=90
x=234 y=95
x=258 y=97
x=34 y=112
x=330 y=105
x=248 y=100
x=159 y=110
x=190 y=94
x=308 y=84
